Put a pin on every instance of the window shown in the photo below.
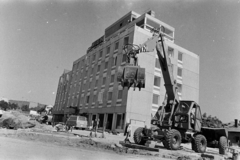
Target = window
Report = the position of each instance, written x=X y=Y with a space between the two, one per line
x=155 y=99
x=108 y=49
x=109 y=96
x=179 y=72
x=120 y=120
x=94 y=57
x=116 y=46
x=87 y=99
x=106 y=65
x=126 y=39
x=179 y=86
x=124 y=58
x=89 y=59
x=114 y=61
x=157 y=63
x=99 y=66
x=96 y=83
x=120 y=94
x=180 y=56
x=100 y=96
x=104 y=80
x=92 y=70
x=95 y=98
x=157 y=81
x=90 y=83
x=86 y=72
x=170 y=52
x=112 y=78
x=100 y=54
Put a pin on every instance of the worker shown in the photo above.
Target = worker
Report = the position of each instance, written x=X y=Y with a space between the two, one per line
x=95 y=127
x=127 y=131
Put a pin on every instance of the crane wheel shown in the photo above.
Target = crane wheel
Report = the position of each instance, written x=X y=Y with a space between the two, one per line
x=138 y=136
x=200 y=143
x=173 y=139
x=222 y=145
x=193 y=145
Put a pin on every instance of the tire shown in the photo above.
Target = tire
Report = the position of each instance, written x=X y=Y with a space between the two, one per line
x=193 y=145
x=138 y=136
x=164 y=143
x=222 y=145
x=200 y=143
x=173 y=139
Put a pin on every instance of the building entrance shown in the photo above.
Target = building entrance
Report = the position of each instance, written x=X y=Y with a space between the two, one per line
x=109 y=121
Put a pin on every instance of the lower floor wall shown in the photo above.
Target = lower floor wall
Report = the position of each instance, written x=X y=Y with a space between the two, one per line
x=57 y=118
x=111 y=121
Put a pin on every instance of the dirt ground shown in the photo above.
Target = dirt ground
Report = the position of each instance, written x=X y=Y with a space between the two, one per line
x=109 y=145
x=12 y=149
x=77 y=139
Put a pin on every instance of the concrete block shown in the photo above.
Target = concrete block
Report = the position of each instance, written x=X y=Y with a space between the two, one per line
x=118 y=145
x=151 y=144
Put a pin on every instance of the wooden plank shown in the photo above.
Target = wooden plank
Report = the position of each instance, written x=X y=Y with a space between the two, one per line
x=131 y=145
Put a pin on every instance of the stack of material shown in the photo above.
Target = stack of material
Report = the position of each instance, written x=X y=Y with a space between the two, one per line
x=15 y=120
x=212 y=123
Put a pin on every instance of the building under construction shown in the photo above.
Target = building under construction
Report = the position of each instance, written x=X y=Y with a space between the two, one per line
x=91 y=87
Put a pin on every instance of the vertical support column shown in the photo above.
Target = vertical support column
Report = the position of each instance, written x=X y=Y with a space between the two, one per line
x=105 y=119
x=90 y=119
x=114 y=121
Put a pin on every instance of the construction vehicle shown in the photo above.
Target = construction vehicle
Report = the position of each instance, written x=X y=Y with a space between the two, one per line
x=176 y=121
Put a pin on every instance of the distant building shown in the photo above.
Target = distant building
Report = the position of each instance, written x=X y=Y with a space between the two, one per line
x=20 y=103
x=234 y=133
x=27 y=103
x=91 y=86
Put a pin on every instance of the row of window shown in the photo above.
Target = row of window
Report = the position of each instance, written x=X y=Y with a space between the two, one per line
x=101 y=96
x=94 y=56
x=106 y=64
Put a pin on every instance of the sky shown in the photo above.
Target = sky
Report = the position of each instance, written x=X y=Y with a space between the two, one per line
x=41 y=38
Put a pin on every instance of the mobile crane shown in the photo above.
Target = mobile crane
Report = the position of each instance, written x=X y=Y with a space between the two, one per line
x=176 y=121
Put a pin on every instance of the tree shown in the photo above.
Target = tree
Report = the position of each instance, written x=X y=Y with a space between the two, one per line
x=204 y=115
x=25 y=108
x=4 y=105
x=13 y=106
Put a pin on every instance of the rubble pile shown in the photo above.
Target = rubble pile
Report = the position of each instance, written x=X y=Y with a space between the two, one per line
x=15 y=120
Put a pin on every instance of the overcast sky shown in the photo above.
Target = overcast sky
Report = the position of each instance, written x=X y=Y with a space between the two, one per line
x=41 y=38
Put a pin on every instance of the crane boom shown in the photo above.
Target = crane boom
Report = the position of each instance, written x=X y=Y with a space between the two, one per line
x=132 y=75
x=165 y=64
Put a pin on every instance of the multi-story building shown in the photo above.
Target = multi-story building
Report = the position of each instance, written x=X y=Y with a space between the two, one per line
x=61 y=96
x=93 y=87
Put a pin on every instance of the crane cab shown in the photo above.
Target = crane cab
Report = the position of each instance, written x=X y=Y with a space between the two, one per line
x=188 y=116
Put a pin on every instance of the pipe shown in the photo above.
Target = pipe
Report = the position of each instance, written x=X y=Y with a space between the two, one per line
x=236 y=123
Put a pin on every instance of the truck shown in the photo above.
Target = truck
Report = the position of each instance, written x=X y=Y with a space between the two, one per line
x=176 y=121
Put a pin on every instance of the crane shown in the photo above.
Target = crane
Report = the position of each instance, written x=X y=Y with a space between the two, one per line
x=175 y=121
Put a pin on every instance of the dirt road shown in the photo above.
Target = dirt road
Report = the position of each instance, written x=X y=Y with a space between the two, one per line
x=12 y=149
